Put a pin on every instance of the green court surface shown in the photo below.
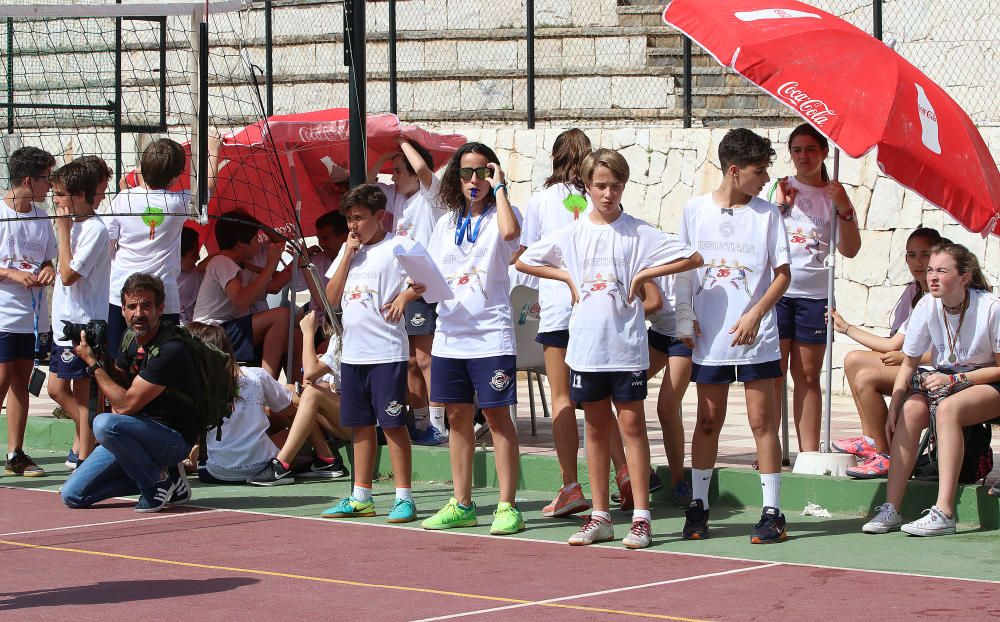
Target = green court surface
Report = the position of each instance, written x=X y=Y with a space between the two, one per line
x=830 y=542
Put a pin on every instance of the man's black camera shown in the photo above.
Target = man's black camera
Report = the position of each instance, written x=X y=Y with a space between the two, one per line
x=96 y=332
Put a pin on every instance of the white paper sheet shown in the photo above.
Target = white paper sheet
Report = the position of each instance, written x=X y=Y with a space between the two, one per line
x=421 y=269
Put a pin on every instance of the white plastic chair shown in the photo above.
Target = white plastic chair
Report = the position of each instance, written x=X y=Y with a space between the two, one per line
x=530 y=356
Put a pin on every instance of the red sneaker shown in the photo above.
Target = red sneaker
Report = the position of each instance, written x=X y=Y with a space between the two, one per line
x=624 y=489
x=872 y=468
x=856 y=445
x=567 y=503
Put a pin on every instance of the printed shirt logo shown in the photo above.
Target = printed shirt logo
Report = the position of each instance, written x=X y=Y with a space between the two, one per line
x=811 y=242
x=152 y=218
x=736 y=274
x=472 y=278
x=360 y=294
x=500 y=380
x=815 y=110
x=727 y=229
x=394 y=408
x=603 y=284
x=576 y=204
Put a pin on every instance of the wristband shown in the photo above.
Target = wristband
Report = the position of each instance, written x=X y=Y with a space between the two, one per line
x=92 y=369
x=848 y=218
x=499 y=186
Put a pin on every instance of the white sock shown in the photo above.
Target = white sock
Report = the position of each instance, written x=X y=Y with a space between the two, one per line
x=771 y=483
x=870 y=440
x=404 y=494
x=644 y=514
x=421 y=418
x=362 y=493
x=437 y=418
x=602 y=515
x=701 y=479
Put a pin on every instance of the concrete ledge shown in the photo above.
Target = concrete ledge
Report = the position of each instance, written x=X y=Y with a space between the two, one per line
x=731 y=487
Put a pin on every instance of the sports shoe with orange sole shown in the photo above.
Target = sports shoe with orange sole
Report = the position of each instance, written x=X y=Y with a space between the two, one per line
x=567 y=502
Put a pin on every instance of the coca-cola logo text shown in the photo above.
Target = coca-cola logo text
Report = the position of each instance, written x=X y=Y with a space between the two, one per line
x=815 y=110
x=329 y=131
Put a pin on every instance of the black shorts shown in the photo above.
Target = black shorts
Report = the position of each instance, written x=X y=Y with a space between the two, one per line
x=371 y=394
x=421 y=317
x=16 y=346
x=801 y=319
x=728 y=374
x=670 y=346
x=595 y=386
x=555 y=338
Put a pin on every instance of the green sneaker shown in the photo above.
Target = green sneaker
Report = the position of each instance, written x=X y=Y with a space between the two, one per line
x=451 y=516
x=403 y=511
x=349 y=507
x=506 y=520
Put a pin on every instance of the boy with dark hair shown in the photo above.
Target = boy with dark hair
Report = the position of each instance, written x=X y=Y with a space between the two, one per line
x=331 y=233
x=412 y=210
x=29 y=246
x=225 y=300
x=81 y=291
x=370 y=286
x=189 y=280
x=146 y=228
x=742 y=238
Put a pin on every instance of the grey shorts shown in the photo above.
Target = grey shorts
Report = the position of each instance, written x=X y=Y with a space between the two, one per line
x=421 y=317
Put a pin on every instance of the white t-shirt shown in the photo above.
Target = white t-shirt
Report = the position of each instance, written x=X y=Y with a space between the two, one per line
x=245 y=447
x=978 y=339
x=188 y=284
x=415 y=216
x=374 y=279
x=214 y=305
x=903 y=308
x=606 y=332
x=741 y=252
x=548 y=211
x=664 y=321
x=477 y=321
x=24 y=246
x=150 y=244
x=87 y=298
x=808 y=227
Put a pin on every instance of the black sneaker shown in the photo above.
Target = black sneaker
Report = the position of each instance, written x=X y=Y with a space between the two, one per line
x=155 y=498
x=322 y=470
x=182 y=489
x=695 y=521
x=655 y=483
x=22 y=464
x=273 y=475
x=771 y=527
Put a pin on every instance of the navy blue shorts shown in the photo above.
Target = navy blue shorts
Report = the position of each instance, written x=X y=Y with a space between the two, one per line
x=491 y=379
x=65 y=364
x=668 y=345
x=421 y=317
x=728 y=374
x=595 y=386
x=556 y=338
x=17 y=346
x=373 y=394
x=240 y=332
x=801 y=319
x=117 y=328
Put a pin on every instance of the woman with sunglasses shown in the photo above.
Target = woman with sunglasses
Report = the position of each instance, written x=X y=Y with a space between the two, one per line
x=473 y=354
x=960 y=323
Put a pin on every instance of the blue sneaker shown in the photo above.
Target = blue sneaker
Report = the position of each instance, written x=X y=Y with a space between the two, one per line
x=682 y=494
x=403 y=511
x=156 y=498
x=349 y=507
x=71 y=460
x=431 y=437
x=179 y=480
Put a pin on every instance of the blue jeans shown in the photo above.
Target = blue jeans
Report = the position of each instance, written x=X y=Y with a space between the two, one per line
x=132 y=455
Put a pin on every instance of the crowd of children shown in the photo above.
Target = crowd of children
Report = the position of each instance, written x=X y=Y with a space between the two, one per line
x=738 y=296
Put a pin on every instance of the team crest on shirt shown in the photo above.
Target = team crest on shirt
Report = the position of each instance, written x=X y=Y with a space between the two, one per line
x=606 y=283
x=67 y=356
x=472 y=279
x=500 y=380
x=394 y=408
x=811 y=242
x=403 y=231
x=727 y=229
x=360 y=294
x=418 y=319
x=736 y=274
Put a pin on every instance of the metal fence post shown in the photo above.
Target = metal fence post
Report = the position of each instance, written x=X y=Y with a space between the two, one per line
x=687 y=82
x=354 y=53
x=268 y=58
x=392 y=57
x=530 y=60
x=877 y=19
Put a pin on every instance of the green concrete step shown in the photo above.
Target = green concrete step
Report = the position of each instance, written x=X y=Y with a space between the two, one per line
x=734 y=487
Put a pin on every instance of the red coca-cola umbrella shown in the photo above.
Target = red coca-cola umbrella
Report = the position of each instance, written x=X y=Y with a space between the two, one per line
x=858 y=92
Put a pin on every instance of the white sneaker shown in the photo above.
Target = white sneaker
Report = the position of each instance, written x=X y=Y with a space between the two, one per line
x=594 y=530
x=887 y=519
x=639 y=536
x=932 y=523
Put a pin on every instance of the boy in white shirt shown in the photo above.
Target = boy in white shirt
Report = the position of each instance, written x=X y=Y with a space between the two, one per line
x=605 y=258
x=27 y=248
x=412 y=211
x=190 y=277
x=146 y=226
x=81 y=291
x=742 y=238
x=370 y=286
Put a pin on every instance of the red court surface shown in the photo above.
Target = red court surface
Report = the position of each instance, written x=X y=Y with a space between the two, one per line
x=230 y=565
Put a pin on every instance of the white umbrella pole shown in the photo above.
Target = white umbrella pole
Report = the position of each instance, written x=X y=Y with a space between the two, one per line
x=831 y=262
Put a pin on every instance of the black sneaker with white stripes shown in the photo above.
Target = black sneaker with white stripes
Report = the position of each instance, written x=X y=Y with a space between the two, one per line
x=324 y=470
x=274 y=474
x=182 y=489
x=156 y=498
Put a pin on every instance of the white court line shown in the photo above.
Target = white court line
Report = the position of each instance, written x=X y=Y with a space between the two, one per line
x=600 y=593
x=452 y=533
x=200 y=512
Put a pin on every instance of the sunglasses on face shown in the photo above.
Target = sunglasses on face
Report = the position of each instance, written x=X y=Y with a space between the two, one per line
x=483 y=172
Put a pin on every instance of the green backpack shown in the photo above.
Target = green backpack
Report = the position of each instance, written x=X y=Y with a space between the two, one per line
x=219 y=392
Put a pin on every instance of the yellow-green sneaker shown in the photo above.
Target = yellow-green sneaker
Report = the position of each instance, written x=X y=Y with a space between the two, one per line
x=349 y=507
x=452 y=515
x=507 y=519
